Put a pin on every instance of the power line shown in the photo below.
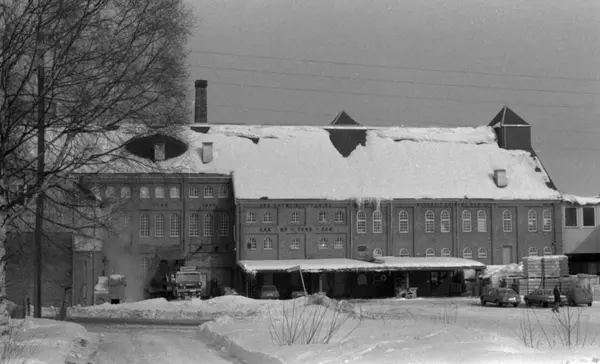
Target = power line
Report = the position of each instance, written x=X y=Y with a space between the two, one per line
x=413 y=68
x=304 y=74
x=392 y=96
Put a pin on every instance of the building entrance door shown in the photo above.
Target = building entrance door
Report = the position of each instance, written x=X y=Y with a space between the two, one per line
x=507 y=255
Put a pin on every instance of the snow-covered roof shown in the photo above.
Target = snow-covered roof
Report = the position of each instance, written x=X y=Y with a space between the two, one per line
x=307 y=162
x=343 y=264
x=579 y=200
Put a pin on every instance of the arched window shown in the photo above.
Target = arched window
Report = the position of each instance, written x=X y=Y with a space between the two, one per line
x=481 y=221
x=533 y=252
x=144 y=192
x=445 y=221
x=548 y=250
x=159 y=225
x=208 y=192
x=466 y=221
x=323 y=243
x=507 y=221
x=223 y=192
x=110 y=192
x=547 y=217
x=339 y=217
x=193 y=192
x=377 y=252
x=429 y=221
x=174 y=192
x=250 y=218
x=531 y=221
x=445 y=252
x=223 y=224
x=144 y=225
x=159 y=192
x=125 y=192
x=267 y=217
x=403 y=222
x=361 y=222
x=252 y=244
x=175 y=225
x=323 y=217
x=404 y=252
x=209 y=225
x=467 y=253
x=268 y=244
x=194 y=225
x=295 y=244
x=295 y=217
x=430 y=252
x=339 y=243
x=377 y=222
x=482 y=253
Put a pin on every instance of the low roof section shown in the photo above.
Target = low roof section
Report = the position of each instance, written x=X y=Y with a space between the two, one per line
x=352 y=265
x=589 y=245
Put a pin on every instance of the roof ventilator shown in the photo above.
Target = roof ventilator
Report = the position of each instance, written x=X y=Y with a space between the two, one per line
x=159 y=151
x=500 y=178
x=207 y=152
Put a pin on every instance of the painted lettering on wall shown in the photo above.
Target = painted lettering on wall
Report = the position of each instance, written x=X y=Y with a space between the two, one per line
x=209 y=205
x=459 y=204
x=297 y=229
x=294 y=205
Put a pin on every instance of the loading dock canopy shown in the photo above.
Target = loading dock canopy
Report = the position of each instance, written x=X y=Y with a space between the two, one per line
x=348 y=265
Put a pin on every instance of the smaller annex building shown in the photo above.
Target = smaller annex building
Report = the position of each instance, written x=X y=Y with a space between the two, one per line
x=581 y=233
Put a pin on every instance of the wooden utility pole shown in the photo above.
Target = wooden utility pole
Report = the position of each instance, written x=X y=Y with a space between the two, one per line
x=39 y=203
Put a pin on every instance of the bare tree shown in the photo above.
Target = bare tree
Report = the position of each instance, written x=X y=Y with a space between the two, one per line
x=72 y=71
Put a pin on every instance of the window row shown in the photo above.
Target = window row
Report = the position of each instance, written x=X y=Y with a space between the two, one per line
x=467 y=253
x=174 y=192
x=323 y=243
x=174 y=225
x=323 y=217
x=588 y=216
x=467 y=221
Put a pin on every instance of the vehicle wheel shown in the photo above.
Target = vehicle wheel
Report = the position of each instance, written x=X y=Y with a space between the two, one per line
x=483 y=302
x=545 y=304
x=572 y=303
x=527 y=303
x=515 y=304
x=589 y=304
x=499 y=304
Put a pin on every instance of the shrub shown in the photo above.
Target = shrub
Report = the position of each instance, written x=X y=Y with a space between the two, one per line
x=566 y=328
x=14 y=347
x=447 y=314
x=299 y=324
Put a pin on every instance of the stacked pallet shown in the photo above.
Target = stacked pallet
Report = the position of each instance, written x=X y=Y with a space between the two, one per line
x=546 y=272
x=528 y=285
x=546 y=266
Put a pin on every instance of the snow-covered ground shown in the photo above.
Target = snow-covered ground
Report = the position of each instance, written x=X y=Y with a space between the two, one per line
x=42 y=341
x=448 y=330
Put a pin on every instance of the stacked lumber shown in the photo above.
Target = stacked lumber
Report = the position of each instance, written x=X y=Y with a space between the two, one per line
x=528 y=285
x=550 y=266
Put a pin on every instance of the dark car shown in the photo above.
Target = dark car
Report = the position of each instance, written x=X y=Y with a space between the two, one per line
x=268 y=292
x=579 y=296
x=500 y=297
x=543 y=297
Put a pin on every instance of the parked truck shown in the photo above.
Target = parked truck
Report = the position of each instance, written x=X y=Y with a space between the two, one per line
x=187 y=283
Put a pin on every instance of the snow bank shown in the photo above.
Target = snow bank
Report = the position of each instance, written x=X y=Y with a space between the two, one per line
x=47 y=342
x=579 y=200
x=503 y=270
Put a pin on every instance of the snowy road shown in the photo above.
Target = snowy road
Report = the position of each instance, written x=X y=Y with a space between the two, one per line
x=153 y=344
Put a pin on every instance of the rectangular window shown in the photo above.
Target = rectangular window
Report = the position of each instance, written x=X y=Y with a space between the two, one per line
x=175 y=225
x=295 y=244
x=159 y=225
x=589 y=216
x=223 y=192
x=223 y=224
x=159 y=151
x=144 y=225
x=193 y=227
x=267 y=218
x=571 y=217
x=209 y=225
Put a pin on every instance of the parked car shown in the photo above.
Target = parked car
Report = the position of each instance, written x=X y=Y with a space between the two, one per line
x=268 y=292
x=543 y=297
x=500 y=297
x=579 y=296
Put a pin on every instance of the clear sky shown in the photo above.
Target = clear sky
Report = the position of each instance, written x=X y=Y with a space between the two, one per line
x=412 y=63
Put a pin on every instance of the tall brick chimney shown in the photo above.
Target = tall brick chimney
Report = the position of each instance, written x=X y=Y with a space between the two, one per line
x=200 y=112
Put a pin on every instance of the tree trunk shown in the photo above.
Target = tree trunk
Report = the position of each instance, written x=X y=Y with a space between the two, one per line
x=4 y=315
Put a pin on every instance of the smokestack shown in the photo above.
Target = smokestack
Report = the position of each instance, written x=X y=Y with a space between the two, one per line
x=200 y=112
